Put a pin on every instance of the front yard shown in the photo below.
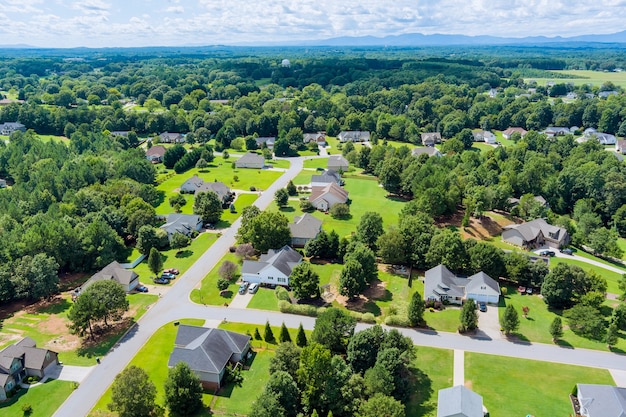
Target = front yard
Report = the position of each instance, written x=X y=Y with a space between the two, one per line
x=44 y=399
x=208 y=292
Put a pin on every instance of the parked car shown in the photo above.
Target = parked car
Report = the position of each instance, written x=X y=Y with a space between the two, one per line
x=161 y=280
x=482 y=306
x=547 y=253
x=168 y=275
x=567 y=251
x=171 y=271
x=243 y=287
x=253 y=288
x=141 y=288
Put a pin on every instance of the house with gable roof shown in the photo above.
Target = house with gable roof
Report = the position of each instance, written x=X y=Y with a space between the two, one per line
x=326 y=177
x=595 y=400
x=9 y=127
x=319 y=138
x=534 y=234
x=620 y=146
x=484 y=136
x=353 y=136
x=274 y=267
x=303 y=229
x=338 y=163
x=195 y=185
x=208 y=351
x=181 y=223
x=170 y=137
x=459 y=401
x=112 y=272
x=509 y=132
x=426 y=150
x=323 y=198
x=250 y=160
x=431 y=138
x=441 y=284
x=155 y=154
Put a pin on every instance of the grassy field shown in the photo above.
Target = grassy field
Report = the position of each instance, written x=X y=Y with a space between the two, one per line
x=208 y=292
x=264 y=299
x=581 y=77
x=433 y=369
x=180 y=259
x=316 y=163
x=44 y=399
x=518 y=387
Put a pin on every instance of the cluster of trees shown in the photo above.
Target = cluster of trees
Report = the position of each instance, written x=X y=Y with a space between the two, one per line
x=340 y=372
x=264 y=230
x=102 y=301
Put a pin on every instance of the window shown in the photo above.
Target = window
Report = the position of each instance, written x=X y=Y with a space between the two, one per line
x=282 y=279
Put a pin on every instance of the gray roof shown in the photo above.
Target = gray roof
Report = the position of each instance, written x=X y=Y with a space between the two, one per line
x=305 y=226
x=34 y=357
x=205 y=349
x=459 y=402
x=428 y=150
x=251 y=158
x=354 y=135
x=181 y=223
x=530 y=230
x=113 y=271
x=328 y=176
x=269 y=141
x=440 y=281
x=217 y=187
x=283 y=259
x=434 y=137
x=482 y=283
x=337 y=160
x=602 y=400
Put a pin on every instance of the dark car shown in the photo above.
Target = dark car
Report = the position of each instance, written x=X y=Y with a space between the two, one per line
x=482 y=306
x=141 y=288
x=171 y=271
x=567 y=251
x=161 y=280
x=547 y=253
x=168 y=275
x=243 y=287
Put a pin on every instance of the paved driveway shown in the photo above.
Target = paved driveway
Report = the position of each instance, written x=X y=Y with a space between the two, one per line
x=70 y=373
x=241 y=300
x=489 y=323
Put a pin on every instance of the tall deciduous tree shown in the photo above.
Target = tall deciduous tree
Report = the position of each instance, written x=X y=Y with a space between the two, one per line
x=286 y=358
x=556 y=329
x=446 y=247
x=208 y=206
x=333 y=329
x=304 y=281
x=381 y=406
x=268 y=230
x=133 y=394
x=155 y=262
x=183 y=391
x=281 y=197
x=564 y=286
x=370 y=228
x=416 y=309
x=352 y=280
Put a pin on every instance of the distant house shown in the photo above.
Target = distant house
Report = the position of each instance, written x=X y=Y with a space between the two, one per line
x=552 y=131
x=620 y=146
x=509 y=132
x=493 y=93
x=181 y=223
x=319 y=138
x=195 y=185
x=606 y=94
x=168 y=137
x=338 y=163
x=534 y=234
x=155 y=154
x=7 y=101
x=23 y=359
x=459 y=401
x=601 y=400
x=323 y=198
x=250 y=160
x=267 y=141
x=441 y=284
x=328 y=176
x=9 y=127
x=571 y=95
x=514 y=202
x=303 y=229
x=428 y=150
x=112 y=272
x=353 y=136
x=484 y=136
x=592 y=134
x=274 y=267
x=3 y=183
x=431 y=138
x=121 y=133
x=208 y=351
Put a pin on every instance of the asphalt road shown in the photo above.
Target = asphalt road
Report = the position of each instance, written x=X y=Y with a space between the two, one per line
x=175 y=305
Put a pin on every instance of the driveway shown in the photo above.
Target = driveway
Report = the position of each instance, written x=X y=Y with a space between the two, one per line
x=241 y=300
x=489 y=323
x=573 y=256
x=70 y=373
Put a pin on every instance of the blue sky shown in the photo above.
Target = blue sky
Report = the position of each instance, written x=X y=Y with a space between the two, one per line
x=102 y=23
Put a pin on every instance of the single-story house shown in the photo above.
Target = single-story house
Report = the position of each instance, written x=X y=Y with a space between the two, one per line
x=323 y=198
x=431 y=138
x=428 y=150
x=319 y=138
x=353 y=136
x=571 y=95
x=620 y=146
x=441 y=284
x=328 y=176
x=509 y=132
x=484 y=136
x=195 y=185
x=250 y=160
x=168 y=137
x=23 y=359
x=303 y=229
x=459 y=401
x=606 y=94
x=112 y=272
x=208 y=351
x=268 y=141
x=534 y=234
x=7 y=101
x=9 y=127
x=338 y=163
x=552 y=131
x=274 y=267
x=601 y=400
x=155 y=154
x=601 y=137
x=191 y=185
x=181 y=223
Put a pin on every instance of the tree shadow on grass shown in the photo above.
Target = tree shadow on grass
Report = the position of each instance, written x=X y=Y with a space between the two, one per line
x=223 y=224
x=419 y=403
x=228 y=388
x=184 y=254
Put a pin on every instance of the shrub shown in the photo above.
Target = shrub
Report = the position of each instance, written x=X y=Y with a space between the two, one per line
x=252 y=188
x=282 y=294
x=395 y=320
x=306 y=206
x=302 y=309
x=27 y=409
x=340 y=211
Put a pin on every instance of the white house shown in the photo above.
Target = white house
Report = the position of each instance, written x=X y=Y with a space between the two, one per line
x=353 y=136
x=271 y=268
x=459 y=401
x=428 y=150
x=484 y=136
x=620 y=146
x=323 y=198
x=601 y=400
x=441 y=284
x=509 y=132
x=250 y=160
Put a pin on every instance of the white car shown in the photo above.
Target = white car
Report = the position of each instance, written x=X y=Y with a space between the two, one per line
x=253 y=288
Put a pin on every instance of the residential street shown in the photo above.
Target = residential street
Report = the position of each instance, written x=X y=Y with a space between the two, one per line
x=175 y=305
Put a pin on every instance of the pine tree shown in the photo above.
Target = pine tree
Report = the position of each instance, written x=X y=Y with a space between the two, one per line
x=416 y=309
x=611 y=335
x=469 y=317
x=257 y=335
x=284 y=334
x=269 y=335
x=301 y=337
x=510 y=319
x=556 y=329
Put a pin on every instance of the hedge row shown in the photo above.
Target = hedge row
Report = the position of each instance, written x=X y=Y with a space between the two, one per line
x=312 y=311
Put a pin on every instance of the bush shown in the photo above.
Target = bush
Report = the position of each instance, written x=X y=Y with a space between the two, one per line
x=306 y=206
x=282 y=294
x=27 y=409
x=340 y=211
x=302 y=309
x=397 y=321
x=252 y=188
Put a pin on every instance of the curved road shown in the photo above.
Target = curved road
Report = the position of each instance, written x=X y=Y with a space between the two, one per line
x=175 y=305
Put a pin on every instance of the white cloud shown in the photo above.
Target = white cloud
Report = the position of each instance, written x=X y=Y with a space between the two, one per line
x=175 y=9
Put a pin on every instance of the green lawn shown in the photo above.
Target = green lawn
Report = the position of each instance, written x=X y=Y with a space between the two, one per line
x=264 y=299
x=248 y=329
x=581 y=77
x=621 y=242
x=180 y=259
x=611 y=277
x=44 y=399
x=242 y=201
x=316 y=163
x=587 y=255
x=304 y=177
x=433 y=369
x=519 y=387
x=208 y=292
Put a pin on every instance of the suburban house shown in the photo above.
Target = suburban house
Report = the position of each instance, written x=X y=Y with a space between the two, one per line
x=23 y=359
x=274 y=267
x=509 y=132
x=601 y=137
x=459 y=401
x=195 y=185
x=353 y=136
x=208 y=351
x=514 y=202
x=620 y=146
x=428 y=150
x=122 y=133
x=442 y=285
x=600 y=400
x=484 y=136
x=534 y=234
x=319 y=138
x=267 y=141
x=155 y=154
x=9 y=127
x=250 y=160
x=338 y=163
x=606 y=94
x=323 y=198
x=431 y=138
x=112 y=272
x=181 y=223
x=167 y=137
x=303 y=229
x=552 y=131
x=328 y=176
